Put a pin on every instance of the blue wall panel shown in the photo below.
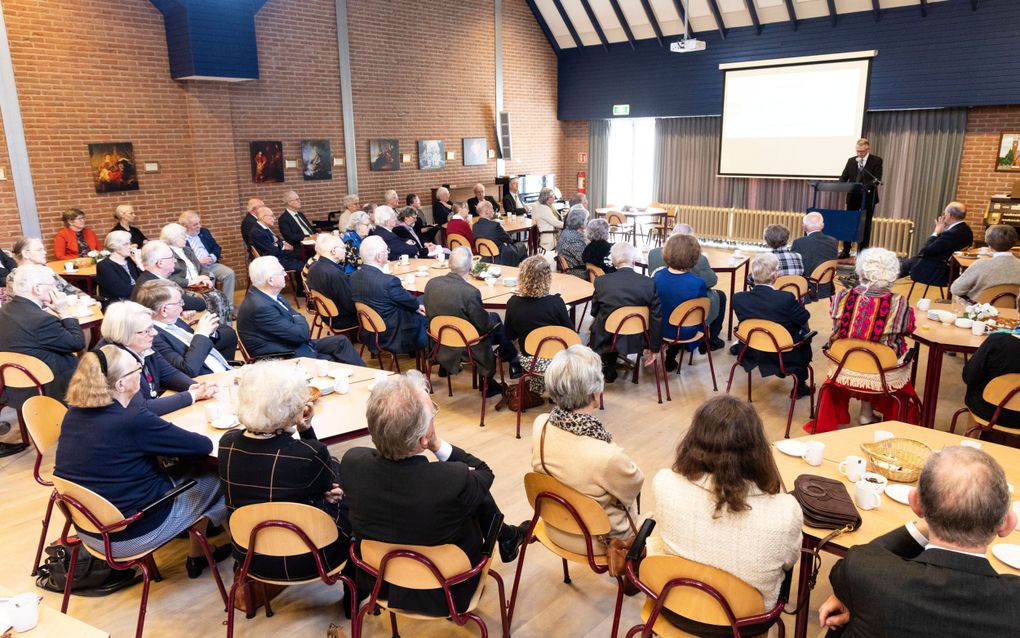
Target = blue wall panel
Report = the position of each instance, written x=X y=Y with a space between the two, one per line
x=211 y=38
x=952 y=57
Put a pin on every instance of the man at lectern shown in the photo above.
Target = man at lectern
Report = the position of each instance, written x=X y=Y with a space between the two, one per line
x=866 y=169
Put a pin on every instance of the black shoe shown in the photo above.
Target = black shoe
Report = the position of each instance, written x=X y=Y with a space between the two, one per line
x=716 y=344
x=195 y=566
x=803 y=390
x=494 y=389
x=609 y=374
x=7 y=449
x=735 y=349
x=516 y=370
x=671 y=364
x=443 y=372
x=509 y=549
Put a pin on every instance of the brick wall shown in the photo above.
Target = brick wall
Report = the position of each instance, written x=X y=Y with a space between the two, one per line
x=978 y=178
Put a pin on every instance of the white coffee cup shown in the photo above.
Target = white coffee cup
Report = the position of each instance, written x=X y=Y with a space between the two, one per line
x=853 y=467
x=342 y=384
x=409 y=279
x=381 y=376
x=970 y=443
x=212 y=411
x=442 y=257
x=23 y=611
x=404 y=260
x=490 y=282
x=923 y=304
x=814 y=452
x=882 y=435
x=978 y=328
x=69 y=266
x=423 y=268
x=868 y=491
x=321 y=368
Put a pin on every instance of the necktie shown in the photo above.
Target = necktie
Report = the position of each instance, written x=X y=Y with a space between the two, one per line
x=304 y=227
x=860 y=164
x=214 y=360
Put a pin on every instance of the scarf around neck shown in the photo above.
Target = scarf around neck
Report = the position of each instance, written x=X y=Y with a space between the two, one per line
x=580 y=424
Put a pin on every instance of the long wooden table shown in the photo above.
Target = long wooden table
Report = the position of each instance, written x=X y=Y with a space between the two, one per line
x=338 y=417
x=890 y=514
x=84 y=278
x=53 y=624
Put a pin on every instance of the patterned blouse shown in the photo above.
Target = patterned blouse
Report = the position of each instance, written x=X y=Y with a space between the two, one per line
x=571 y=247
x=881 y=316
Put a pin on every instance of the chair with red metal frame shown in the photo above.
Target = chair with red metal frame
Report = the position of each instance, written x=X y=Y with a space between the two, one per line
x=861 y=357
x=770 y=337
x=304 y=282
x=543 y=343
x=22 y=371
x=941 y=285
x=455 y=240
x=824 y=273
x=593 y=273
x=249 y=358
x=796 y=285
x=1002 y=296
x=43 y=416
x=1002 y=392
x=456 y=332
x=281 y=530
x=703 y=599
x=627 y=321
x=566 y=510
x=487 y=249
x=692 y=313
x=325 y=312
x=372 y=322
x=618 y=225
x=423 y=567
x=90 y=512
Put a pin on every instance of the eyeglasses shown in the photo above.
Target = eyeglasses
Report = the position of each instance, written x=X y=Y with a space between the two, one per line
x=151 y=330
x=128 y=374
x=162 y=259
x=174 y=303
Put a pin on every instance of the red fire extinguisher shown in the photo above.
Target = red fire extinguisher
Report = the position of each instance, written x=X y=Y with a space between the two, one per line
x=582 y=180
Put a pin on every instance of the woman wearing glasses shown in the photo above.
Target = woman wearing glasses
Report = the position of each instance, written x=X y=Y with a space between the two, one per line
x=30 y=250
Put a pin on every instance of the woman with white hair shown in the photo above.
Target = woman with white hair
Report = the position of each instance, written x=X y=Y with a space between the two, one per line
x=546 y=218
x=116 y=275
x=264 y=463
x=190 y=274
x=126 y=216
x=442 y=208
x=573 y=446
x=571 y=243
x=596 y=252
x=356 y=231
x=351 y=204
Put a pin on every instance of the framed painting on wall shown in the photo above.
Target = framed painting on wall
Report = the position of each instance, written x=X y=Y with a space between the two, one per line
x=431 y=155
x=266 y=162
x=316 y=159
x=1008 y=158
x=113 y=167
x=384 y=154
x=475 y=149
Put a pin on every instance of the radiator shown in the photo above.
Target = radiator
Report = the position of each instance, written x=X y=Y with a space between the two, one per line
x=708 y=222
x=894 y=234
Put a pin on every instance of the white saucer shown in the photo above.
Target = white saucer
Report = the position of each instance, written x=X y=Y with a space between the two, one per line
x=898 y=492
x=225 y=422
x=791 y=447
x=83 y=312
x=1007 y=553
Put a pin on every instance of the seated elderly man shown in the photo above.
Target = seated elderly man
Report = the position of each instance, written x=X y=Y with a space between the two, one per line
x=510 y=253
x=294 y=226
x=401 y=311
x=267 y=244
x=931 y=264
x=776 y=237
x=437 y=503
x=480 y=197
x=782 y=307
x=208 y=253
x=267 y=325
x=202 y=350
x=158 y=260
x=250 y=219
x=816 y=248
x=454 y=296
x=328 y=276
x=1002 y=268
x=932 y=577
x=385 y=221
x=625 y=287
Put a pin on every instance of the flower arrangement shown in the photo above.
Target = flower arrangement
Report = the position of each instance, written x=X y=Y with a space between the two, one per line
x=980 y=311
x=98 y=255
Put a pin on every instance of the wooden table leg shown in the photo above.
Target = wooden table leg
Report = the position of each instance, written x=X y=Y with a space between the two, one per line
x=932 y=372
x=733 y=287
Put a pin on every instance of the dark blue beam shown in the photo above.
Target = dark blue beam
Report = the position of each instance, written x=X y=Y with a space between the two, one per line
x=714 y=8
x=623 y=22
x=832 y=11
x=754 y=15
x=876 y=8
x=545 y=27
x=570 y=25
x=792 y=13
x=595 y=23
x=651 y=19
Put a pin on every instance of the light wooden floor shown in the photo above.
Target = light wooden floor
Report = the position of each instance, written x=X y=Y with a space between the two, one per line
x=546 y=607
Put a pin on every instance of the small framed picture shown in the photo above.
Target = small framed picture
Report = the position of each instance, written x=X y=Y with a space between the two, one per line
x=113 y=167
x=431 y=155
x=384 y=154
x=316 y=159
x=266 y=162
x=475 y=151
x=1008 y=159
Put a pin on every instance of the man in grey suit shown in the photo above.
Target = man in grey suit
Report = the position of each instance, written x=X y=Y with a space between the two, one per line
x=932 y=577
x=453 y=295
x=511 y=253
x=815 y=248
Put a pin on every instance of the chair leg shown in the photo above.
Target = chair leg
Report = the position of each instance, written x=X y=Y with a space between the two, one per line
x=811 y=378
x=70 y=577
x=661 y=358
x=749 y=386
x=793 y=404
x=393 y=625
x=619 y=606
x=231 y=597
x=485 y=390
x=156 y=575
x=449 y=383
x=655 y=367
x=212 y=563
x=952 y=429
x=711 y=366
x=42 y=535
x=911 y=291
x=520 y=407
x=566 y=572
x=146 y=579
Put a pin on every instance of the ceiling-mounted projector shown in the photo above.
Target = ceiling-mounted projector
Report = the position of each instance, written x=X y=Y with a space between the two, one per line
x=686 y=45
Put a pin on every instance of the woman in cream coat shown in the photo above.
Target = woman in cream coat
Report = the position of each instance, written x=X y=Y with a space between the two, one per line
x=571 y=445
x=546 y=218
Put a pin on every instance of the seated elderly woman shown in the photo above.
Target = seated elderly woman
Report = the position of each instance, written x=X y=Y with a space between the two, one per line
x=442 y=208
x=872 y=312
x=351 y=205
x=116 y=275
x=596 y=252
x=776 y=237
x=532 y=307
x=571 y=243
x=30 y=250
x=264 y=463
x=723 y=504
x=676 y=284
x=126 y=216
x=1002 y=268
x=109 y=443
x=189 y=273
x=357 y=230
x=74 y=240
x=130 y=326
x=573 y=446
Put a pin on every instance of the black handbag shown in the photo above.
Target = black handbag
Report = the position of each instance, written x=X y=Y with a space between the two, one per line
x=92 y=576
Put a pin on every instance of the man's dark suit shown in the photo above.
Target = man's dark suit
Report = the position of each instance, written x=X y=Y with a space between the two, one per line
x=614 y=290
x=330 y=279
x=406 y=234
x=405 y=328
x=930 y=265
x=190 y=299
x=415 y=502
x=270 y=326
x=871 y=174
x=191 y=359
x=817 y=248
x=765 y=302
x=510 y=253
x=268 y=244
x=248 y=222
x=896 y=589
x=26 y=328
x=395 y=244
x=510 y=206
x=291 y=230
x=473 y=204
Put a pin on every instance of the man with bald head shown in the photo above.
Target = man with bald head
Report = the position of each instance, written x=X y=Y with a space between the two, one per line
x=815 y=248
x=294 y=226
x=158 y=263
x=327 y=276
x=932 y=577
x=265 y=241
x=931 y=264
x=480 y=196
x=250 y=218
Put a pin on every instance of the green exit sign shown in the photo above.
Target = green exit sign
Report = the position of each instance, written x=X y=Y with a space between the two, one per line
x=621 y=109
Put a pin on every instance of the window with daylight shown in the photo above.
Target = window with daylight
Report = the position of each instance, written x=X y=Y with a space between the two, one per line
x=631 y=162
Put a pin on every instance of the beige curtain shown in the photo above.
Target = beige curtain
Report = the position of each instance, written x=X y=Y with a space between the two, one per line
x=598 y=162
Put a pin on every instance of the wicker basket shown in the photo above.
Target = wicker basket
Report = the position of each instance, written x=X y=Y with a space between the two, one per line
x=898 y=460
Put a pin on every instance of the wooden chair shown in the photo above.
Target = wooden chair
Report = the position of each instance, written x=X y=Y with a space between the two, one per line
x=423 y=567
x=692 y=313
x=593 y=273
x=283 y=530
x=292 y=275
x=659 y=231
x=325 y=312
x=618 y=225
x=487 y=249
x=42 y=417
x=824 y=273
x=941 y=284
x=561 y=264
x=456 y=332
x=22 y=371
x=706 y=598
x=304 y=281
x=768 y=336
x=1003 y=296
x=565 y=509
x=1002 y=392
x=544 y=343
x=453 y=240
x=629 y=321
x=371 y=322
x=794 y=284
x=249 y=358
x=90 y=512
x=553 y=232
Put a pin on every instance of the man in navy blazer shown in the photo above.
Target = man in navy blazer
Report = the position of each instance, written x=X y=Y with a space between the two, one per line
x=267 y=325
x=400 y=310
x=208 y=252
x=250 y=219
x=932 y=577
x=328 y=277
x=294 y=226
x=931 y=264
x=816 y=248
x=511 y=253
x=385 y=221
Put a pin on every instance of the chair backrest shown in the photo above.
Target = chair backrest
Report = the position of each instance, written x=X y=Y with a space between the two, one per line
x=324 y=306
x=627 y=320
x=369 y=319
x=308 y=264
x=561 y=262
x=693 y=312
x=280 y=540
x=101 y=509
x=453 y=240
x=409 y=573
x=23 y=371
x=451 y=331
x=824 y=272
x=1003 y=296
x=614 y=218
x=547 y=341
x=244 y=351
x=486 y=247
x=696 y=604
x=254 y=252
x=755 y=333
x=998 y=391
x=592 y=516
x=881 y=356
x=593 y=272
x=43 y=417
x=795 y=284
